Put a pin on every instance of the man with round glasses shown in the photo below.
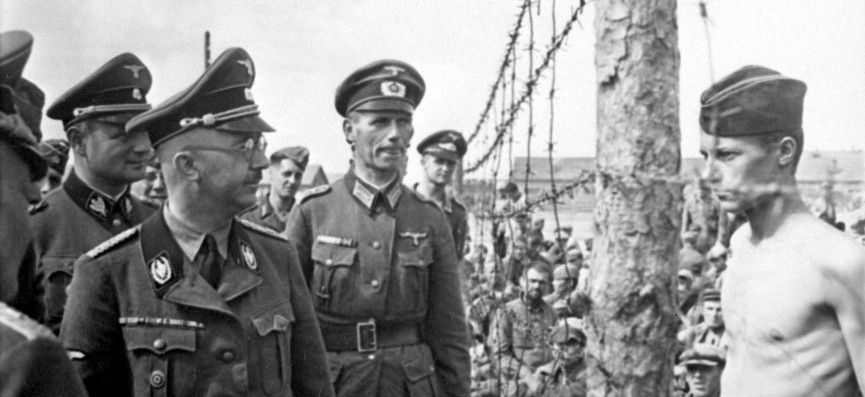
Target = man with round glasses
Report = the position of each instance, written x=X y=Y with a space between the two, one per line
x=194 y=301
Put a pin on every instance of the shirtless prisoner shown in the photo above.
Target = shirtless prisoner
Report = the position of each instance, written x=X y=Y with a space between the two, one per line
x=794 y=292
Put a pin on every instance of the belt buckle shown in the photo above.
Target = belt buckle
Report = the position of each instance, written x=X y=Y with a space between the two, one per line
x=366 y=336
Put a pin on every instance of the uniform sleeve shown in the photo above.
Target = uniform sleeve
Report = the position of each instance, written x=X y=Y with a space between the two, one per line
x=91 y=333
x=298 y=233
x=38 y=368
x=310 y=376
x=445 y=329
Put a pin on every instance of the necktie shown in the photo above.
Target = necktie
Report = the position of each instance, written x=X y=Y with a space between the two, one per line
x=210 y=261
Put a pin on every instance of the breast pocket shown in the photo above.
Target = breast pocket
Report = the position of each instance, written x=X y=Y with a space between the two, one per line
x=414 y=269
x=162 y=360
x=58 y=274
x=273 y=344
x=334 y=278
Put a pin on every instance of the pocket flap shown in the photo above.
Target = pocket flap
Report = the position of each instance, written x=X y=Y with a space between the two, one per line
x=418 y=257
x=333 y=255
x=416 y=368
x=51 y=265
x=276 y=319
x=159 y=340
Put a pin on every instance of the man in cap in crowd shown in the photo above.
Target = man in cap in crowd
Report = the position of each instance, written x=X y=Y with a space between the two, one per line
x=442 y=152
x=703 y=367
x=518 y=334
x=94 y=203
x=711 y=330
x=717 y=257
x=151 y=189
x=795 y=315
x=28 y=350
x=194 y=302
x=56 y=152
x=286 y=173
x=380 y=259
x=564 y=282
x=566 y=374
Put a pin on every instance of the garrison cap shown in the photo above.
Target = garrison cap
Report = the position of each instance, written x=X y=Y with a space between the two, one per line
x=220 y=99
x=753 y=100
x=114 y=93
x=382 y=85
x=447 y=144
x=704 y=355
x=299 y=155
x=564 y=333
x=15 y=47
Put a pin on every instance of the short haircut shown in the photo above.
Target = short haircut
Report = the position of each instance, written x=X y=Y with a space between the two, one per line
x=767 y=141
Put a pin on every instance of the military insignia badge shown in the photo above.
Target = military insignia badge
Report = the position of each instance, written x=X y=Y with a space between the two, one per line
x=97 y=205
x=415 y=237
x=248 y=94
x=135 y=69
x=248 y=256
x=394 y=70
x=127 y=206
x=248 y=64
x=392 y=88
x=448 y=146
x=160 y=269
x=136 y=93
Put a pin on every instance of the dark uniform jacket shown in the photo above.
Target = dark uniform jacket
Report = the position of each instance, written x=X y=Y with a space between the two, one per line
x=77 y=219
x=265 y=215
x=141 y=319
x=387 y=257
x=458 y=220
x=32 y=361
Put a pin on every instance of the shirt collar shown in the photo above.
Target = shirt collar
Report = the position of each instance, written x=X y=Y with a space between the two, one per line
x=190 y=239
x=99 y=205
x=369 y=196
x=446 y=205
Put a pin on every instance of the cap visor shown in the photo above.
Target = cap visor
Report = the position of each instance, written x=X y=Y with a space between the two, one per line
x=708 y=363
x=385 y=104
x=444 y=155
x=246 y=124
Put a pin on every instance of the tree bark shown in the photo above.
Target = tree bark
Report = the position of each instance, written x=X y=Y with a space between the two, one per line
x=632 y=324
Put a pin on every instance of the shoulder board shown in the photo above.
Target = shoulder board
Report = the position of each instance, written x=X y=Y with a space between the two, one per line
x=26 y=326
x=263 y=230
x=310 y=193
x=113 y=242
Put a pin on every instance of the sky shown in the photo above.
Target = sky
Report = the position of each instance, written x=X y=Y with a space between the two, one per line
x=304 y=49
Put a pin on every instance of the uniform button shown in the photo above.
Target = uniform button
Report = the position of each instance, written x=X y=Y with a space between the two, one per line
x=374 y=283
x=371 y=357
x=159 y=344
x=228 y=356
x=328 y=262
x=376 y=244
x=157 y=379
x=116 y=222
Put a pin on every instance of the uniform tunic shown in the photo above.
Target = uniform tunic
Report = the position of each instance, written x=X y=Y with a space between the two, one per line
x=386 y=256
x=521 y=334
x=77 y=219
x=142 y=321
x=265 y=215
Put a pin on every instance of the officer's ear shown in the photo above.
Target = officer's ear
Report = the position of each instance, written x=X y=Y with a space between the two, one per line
x=184 y=163
x=77 y=138
x=349 y=131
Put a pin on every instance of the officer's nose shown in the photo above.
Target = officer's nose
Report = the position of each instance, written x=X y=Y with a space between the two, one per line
x=710 y=172
x=259 y=160
x=140 y=144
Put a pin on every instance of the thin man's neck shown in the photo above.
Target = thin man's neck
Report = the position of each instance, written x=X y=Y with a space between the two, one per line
x=377 y=177
x=279 y=203
x=106 y=186
x=766 y=218
x=432 y=190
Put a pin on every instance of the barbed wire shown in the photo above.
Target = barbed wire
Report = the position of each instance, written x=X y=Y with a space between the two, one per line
x=529 y=87
x=506 y=62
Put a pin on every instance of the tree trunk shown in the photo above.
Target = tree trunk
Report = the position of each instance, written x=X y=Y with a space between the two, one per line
x=632 y=324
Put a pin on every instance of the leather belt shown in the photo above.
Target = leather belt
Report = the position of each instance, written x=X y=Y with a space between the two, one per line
x=367 y=337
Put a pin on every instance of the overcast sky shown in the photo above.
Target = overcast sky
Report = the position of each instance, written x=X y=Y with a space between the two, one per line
x=304 y=49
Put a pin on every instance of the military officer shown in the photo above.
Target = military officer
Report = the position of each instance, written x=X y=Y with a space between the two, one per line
x=442 y=151
x=286 y=173
x=94 y=203
x=195 y=302
x=28 y=350
x=380 y=259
